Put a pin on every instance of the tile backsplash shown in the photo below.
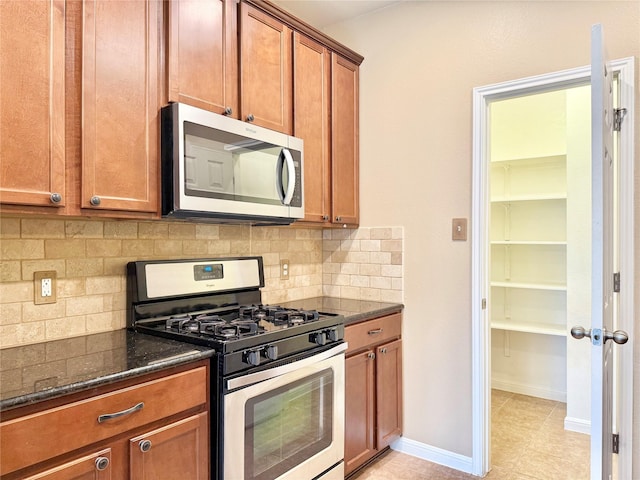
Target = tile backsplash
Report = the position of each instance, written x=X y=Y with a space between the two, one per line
x=89 y=257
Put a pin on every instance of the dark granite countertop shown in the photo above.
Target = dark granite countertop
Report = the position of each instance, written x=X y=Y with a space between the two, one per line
x=354 y=311
x=37 y=372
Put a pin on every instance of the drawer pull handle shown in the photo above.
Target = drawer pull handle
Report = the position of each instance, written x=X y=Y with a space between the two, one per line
x=375 y=332
x=111 y=416
x=145 y=445
x=102 y=463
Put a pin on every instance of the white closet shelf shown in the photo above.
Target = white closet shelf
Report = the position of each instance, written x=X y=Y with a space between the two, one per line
x=531 y=285
x=539 y=328
x=534 y=161
x=528 y=198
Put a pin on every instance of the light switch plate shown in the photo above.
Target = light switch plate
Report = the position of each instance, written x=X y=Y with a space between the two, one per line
x=44 y=283
x=459 y=229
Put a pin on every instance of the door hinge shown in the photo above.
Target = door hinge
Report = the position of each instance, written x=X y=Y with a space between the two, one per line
x=616 y=443
x=484 y=304
x=618 y=116
x=616 y=282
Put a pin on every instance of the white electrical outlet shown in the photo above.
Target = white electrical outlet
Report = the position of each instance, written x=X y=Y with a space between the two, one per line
x=46 y=287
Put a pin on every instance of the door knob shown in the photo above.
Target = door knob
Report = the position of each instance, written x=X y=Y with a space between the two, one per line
x=619 y=336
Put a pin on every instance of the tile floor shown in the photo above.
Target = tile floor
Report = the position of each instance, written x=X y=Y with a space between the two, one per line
x=529 y=442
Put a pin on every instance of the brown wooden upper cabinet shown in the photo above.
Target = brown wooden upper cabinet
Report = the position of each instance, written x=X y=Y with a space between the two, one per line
x=266 y=79
x=32 y=121
x=203 y=54
x=120 y=104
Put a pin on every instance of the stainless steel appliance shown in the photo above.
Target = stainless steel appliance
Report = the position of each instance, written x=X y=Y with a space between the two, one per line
x=277 y=377
x=219 y=168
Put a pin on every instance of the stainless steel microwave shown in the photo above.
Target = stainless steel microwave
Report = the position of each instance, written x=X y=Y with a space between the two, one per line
x=221 y=169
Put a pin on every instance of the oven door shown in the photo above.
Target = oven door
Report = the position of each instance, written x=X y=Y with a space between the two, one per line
x=287 y=422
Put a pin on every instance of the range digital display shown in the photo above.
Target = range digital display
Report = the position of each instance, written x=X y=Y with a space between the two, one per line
x=211 y=271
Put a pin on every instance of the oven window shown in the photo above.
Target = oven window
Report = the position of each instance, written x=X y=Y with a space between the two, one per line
x=288 y=425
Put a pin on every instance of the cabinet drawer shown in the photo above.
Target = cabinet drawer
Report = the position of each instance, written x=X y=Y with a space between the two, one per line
x=33 y=438
x=373 y=332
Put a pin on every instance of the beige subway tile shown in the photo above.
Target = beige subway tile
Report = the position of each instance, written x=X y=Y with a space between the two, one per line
x=118 y=266
x=207 y=232
x=21 y=334
x=331 y=267
x=84 y=229
x=65 y=327
x=240 y=247
x=104 y=248
x=10 y=380
x=16 y=292
x=391 y=245
x=359 y=281
x=106 y=284
x=358 y=257
x=279 y=246
x=326 y=234
x=396 y=258
x=330 y=245
x=383 y=258
x=260 y=246
x=270 y=258
x=339 y=257
x=219 y=247
x=287 y=233
x=10 y=313
x=71 y=287
x=30 y=266
x=297 y=258
x=381 y=233
x=9 y=227
x=167 y=248
x=119 y=320
x=391 y=270
x=67 y=248
x=153 y=230
x=397 y=283
x=10 y=271
x=235 y=232
x=327 y=257
x=350 y=268
x=264 y=233
x=120 y=229
x=341 y=280
x=114 y=301
x=393 y=296
x=381 y=282
x=370 y=245
x=397 y=233
x=84 y=267
x=308 y=233
x=340 y=234
x=331 y=290
x=42 y=228
x=350 y=292
x=370 y=294
x=362 y=234
x=312 y=291
x=137 y=248
x=84 y=305
x=182 y=231
x=100 y=322
x=34 y=313
x=21 y=249
x=194 y=247
x=350 y=245
x=371 y=269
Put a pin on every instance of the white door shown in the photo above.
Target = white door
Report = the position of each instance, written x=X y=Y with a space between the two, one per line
x=602 y=298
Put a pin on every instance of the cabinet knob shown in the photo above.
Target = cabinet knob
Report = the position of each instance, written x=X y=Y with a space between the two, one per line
x=95 y=201
x=102 y=463
x=325 y=218
x=227 y=111
x=56 y=198
x=371 y=355
x=145 y=445
x=383 y=350
x=338 y=219
x=250 y=117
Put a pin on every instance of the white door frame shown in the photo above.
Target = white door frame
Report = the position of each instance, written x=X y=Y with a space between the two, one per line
x=481 y=329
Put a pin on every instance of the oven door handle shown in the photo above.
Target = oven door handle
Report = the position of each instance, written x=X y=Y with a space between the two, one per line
x=263 y=375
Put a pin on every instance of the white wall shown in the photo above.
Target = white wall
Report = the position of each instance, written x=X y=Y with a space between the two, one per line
x=422 y=60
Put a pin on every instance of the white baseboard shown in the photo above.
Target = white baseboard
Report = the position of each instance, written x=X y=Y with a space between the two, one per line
x=530 y=390
x=433 y=454
x=577 y=425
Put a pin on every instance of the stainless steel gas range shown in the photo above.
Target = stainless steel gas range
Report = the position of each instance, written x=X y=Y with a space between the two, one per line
x=277 y=378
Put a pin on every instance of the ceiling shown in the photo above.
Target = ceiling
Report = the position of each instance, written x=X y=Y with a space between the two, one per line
x=322 y=13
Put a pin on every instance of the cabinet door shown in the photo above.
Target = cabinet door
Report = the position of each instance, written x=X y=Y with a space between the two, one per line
x=389 y=393
x=96 y=466
x=178 y=450
x=359 y=410
x=203 y=54
x=344 y=132
x=32 y=123
x=311 y=123
x=120 y=105
x=265 y=70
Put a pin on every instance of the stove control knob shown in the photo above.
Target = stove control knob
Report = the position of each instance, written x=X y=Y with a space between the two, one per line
x=319 y=338
x=271 y=352
x=252 y=357
x=332 y=334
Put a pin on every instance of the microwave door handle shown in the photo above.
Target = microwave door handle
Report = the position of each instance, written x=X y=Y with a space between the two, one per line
x=291 y=176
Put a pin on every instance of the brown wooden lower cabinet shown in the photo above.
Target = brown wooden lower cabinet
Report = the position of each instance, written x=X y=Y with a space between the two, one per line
x=155 y=427
x=373 y=406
